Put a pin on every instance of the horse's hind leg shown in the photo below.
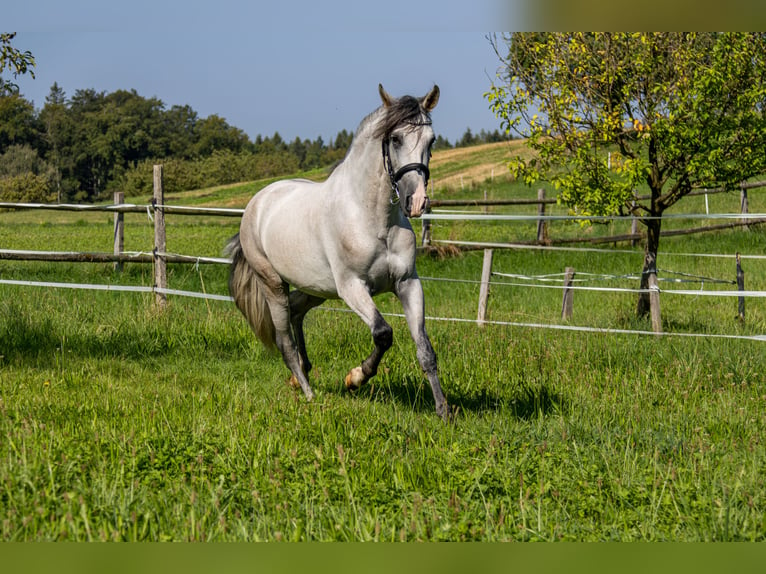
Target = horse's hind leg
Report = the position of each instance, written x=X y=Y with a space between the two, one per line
x=300 y=304
x=357 y=297
x=276 y=293
x=279 y=307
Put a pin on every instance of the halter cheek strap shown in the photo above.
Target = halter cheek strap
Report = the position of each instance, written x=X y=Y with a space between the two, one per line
x=395 y=176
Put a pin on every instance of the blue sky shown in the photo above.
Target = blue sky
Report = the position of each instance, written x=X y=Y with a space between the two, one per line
x=302 y=68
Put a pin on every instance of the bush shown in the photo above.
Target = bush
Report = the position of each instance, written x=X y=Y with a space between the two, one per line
x=26 y=188
x=220 y=168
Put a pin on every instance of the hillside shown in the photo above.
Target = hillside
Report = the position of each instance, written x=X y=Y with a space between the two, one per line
x=453 y=168
x=450 y=170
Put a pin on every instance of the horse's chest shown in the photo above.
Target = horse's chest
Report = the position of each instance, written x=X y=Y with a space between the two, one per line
x=389 y=266
x=380 y=260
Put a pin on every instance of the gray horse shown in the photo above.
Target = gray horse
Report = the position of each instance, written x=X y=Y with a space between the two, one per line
x=348 y=237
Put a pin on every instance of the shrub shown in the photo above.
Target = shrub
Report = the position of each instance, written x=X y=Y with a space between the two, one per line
x=26 y=188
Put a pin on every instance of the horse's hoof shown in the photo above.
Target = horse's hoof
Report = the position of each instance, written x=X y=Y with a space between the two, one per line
x=293 y=382
x=445 y=413
x=354 y=379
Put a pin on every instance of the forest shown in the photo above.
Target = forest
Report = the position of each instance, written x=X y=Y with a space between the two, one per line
x=84 y=147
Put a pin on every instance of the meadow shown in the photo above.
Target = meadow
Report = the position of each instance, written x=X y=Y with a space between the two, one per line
x=119 y=421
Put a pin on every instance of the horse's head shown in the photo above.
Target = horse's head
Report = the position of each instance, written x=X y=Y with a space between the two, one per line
x=407 y=137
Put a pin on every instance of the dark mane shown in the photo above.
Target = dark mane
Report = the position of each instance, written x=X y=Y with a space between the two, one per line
x=405 y=110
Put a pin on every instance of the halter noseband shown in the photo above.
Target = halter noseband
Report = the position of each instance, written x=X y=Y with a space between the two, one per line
x=395 y=176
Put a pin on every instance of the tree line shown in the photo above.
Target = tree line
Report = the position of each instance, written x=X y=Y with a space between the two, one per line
x=84 y=147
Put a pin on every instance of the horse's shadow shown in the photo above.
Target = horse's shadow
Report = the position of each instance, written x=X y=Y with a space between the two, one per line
x=410 y=391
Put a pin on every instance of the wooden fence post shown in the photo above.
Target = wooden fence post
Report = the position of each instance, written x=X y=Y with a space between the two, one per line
x=740 y=287
x=654 y=295
x=567 y=305
x=743 y=205
x=426 y=235
x=633 y=223
x=425 y=238
x=542 y=225
x=160 y=265
x=486 y=272
x=119 y=229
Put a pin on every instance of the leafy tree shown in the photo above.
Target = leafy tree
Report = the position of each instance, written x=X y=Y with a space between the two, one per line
x=24 y=176
x=21 y=159
x=25 y=188
x=54 y=118
x=18 y=62
x=178 y=132
x=315 y=154
x=18 y=122
x=681 y=110
x=213 y=133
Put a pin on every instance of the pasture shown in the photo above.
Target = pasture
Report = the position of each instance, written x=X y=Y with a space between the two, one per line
x=121 y=422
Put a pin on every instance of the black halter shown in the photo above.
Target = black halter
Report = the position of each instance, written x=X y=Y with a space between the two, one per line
x=395 y=176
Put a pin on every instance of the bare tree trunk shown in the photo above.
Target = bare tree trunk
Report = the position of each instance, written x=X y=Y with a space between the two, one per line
x=650 y=263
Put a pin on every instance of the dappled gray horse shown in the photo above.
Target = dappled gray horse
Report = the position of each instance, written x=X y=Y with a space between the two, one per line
x=347 y=237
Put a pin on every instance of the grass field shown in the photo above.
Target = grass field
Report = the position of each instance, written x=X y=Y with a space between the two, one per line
x=121 y=422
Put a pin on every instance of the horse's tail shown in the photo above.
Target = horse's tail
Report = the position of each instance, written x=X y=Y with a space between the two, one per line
x=247 y=291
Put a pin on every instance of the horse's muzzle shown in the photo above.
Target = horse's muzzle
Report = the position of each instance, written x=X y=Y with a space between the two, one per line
x=415 y=204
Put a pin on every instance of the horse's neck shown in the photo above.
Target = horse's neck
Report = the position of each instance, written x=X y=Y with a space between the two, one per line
x=362 y=179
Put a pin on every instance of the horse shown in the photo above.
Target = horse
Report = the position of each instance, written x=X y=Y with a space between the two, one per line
x=349 y=237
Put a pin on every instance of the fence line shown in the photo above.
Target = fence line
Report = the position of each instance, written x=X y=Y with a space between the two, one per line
x=128 y=208
x=158 y=209
x=143 y=257
x=752 y=217
x=533 y=246
x=102 y=257
x=590 y=277
x=576 y=328
x=463 y=216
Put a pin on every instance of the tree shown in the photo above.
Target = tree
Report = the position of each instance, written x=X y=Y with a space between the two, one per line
x=19 y=62
x=18 y=123
x=54 y=118
x=214 y=133
x=178 y=132
x=24 y=176
x=468 y=139
x=677 y=110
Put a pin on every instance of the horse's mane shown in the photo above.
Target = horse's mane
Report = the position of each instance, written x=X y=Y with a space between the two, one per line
x=384 y=120
x=404 y=110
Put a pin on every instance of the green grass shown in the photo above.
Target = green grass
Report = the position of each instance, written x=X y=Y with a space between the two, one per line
x=120 y=422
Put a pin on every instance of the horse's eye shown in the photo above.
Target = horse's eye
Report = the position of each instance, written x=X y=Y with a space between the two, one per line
x=396 y=140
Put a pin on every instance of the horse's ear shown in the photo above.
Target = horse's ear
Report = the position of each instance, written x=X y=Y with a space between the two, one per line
x=385 y=96
x=430 y=100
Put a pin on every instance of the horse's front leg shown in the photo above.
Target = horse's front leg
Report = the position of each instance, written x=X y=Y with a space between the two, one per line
x=410 y=293
x=358 y=298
